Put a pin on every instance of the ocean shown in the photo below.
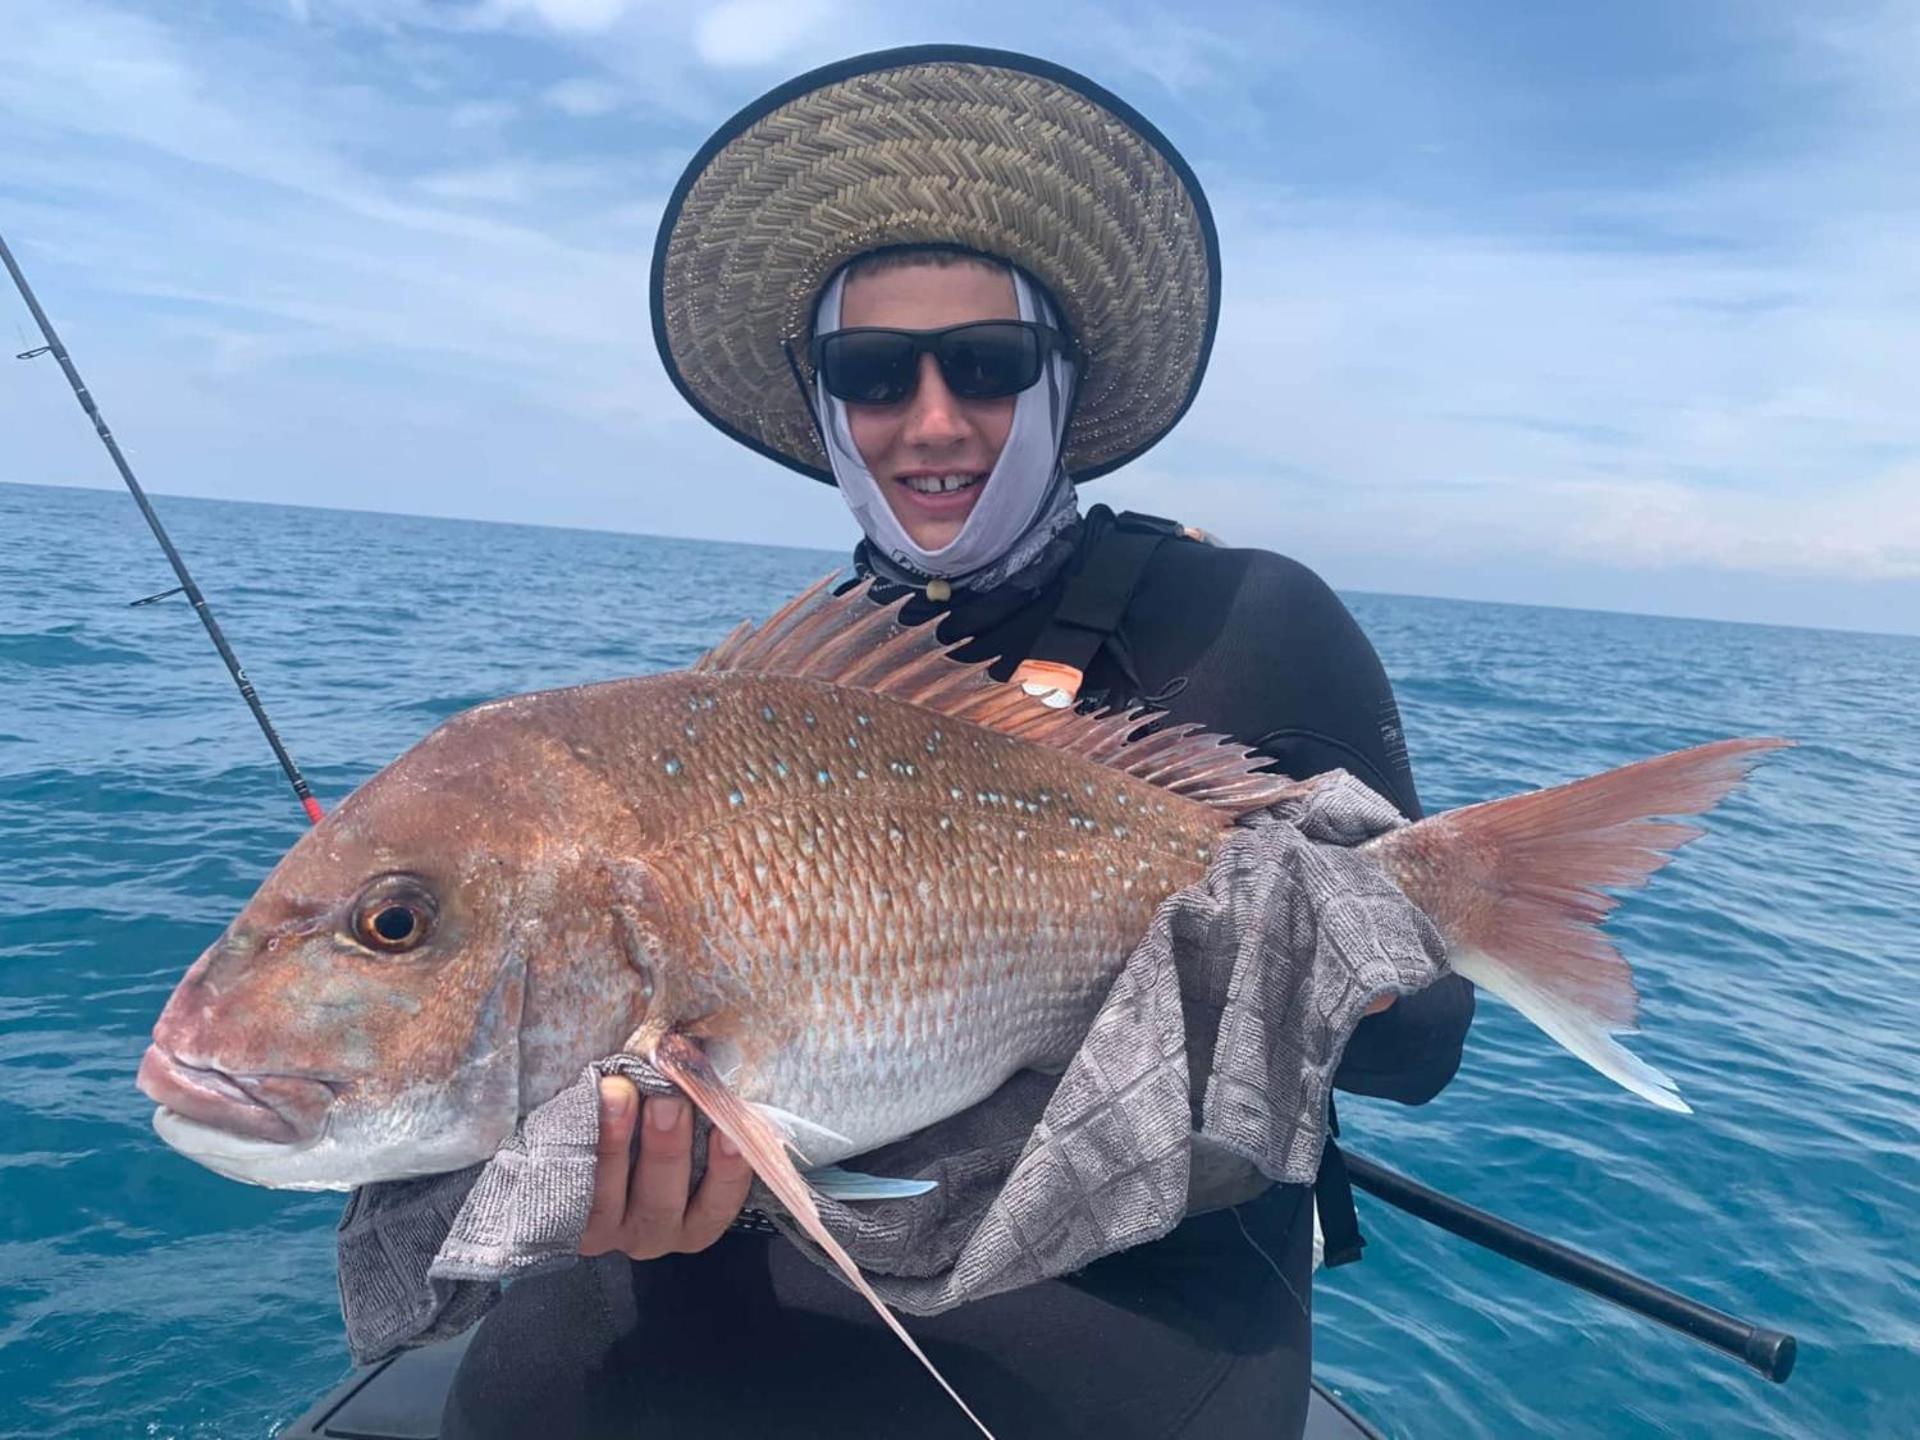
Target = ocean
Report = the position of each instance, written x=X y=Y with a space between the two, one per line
x=1778 y=960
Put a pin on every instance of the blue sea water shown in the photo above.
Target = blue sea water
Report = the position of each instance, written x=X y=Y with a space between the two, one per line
x=1778 y=960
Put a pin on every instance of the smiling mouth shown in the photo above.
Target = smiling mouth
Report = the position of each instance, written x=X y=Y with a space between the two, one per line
x=284 y=1109
x=940 y=487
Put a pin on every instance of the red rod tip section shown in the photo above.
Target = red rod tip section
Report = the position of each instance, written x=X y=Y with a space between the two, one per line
x=312 y=806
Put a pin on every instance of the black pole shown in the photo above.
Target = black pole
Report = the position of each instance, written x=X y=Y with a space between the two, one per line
x=191 y=590
x=1771 y=1352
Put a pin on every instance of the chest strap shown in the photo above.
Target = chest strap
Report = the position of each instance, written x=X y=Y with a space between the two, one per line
x=1333 y=1200
x=1112 y=564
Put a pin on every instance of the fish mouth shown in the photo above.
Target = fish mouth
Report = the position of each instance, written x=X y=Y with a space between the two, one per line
x=281 y=1109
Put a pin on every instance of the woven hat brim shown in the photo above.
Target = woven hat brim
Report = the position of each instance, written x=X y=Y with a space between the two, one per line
x=985 y=149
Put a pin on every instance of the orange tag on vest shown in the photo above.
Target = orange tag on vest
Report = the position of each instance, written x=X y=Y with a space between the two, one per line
x=1049 y=679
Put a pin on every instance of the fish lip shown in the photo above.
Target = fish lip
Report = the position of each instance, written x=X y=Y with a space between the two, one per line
x=282 y=1109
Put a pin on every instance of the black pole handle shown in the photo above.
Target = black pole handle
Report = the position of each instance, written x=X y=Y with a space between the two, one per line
x=1770 y=1352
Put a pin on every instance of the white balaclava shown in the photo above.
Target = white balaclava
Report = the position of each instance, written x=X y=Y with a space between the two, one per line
x=1023 y=503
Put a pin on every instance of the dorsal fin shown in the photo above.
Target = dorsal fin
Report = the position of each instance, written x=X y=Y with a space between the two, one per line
x=849 y=640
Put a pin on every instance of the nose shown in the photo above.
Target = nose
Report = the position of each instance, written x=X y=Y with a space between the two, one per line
x=935 y=417
x=194 y=1012
x=193 y=992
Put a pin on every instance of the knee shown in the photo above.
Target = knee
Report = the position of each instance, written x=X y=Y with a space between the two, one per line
x=528 y=1368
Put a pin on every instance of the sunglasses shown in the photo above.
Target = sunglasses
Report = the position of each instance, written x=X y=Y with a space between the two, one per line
x=981 y=360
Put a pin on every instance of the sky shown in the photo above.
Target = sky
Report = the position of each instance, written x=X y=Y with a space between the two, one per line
x=1613 y=306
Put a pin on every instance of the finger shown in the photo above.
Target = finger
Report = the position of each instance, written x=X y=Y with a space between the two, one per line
x=721 y=1194
x=657 y=1194
x=619 y=1103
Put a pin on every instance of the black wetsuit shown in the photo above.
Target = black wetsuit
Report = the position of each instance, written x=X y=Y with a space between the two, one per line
x=1206 y=1333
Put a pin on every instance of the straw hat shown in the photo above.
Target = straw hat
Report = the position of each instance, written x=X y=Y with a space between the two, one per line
x=949 y=144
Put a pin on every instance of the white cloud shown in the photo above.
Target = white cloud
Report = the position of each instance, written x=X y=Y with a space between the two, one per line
x=1865 y=530
x=1430 y=390
x=502 y=184
x=233 y=196
x=94 y=71
x=482 y=114
x=1181 y=55
x=756 y=32
x=577 y=17
x=512 y=181
x=585 y=97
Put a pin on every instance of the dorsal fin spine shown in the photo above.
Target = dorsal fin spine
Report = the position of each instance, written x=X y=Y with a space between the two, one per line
x=883 y=658
x=849 y=641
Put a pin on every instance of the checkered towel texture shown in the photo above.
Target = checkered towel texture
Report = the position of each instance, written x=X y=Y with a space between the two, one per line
x=1204 y=1077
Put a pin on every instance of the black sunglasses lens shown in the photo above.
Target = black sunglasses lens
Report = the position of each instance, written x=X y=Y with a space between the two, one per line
x=982 y=362
x=978 y=362
x=868 y=367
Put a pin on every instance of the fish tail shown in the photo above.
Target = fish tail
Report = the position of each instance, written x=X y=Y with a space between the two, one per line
x=1517 y=889
x=761 y=1141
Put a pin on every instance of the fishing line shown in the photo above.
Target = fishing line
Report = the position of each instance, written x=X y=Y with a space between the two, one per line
x=187 y=586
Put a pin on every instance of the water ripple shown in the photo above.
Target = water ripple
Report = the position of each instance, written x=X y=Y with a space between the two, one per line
x=1777 y=960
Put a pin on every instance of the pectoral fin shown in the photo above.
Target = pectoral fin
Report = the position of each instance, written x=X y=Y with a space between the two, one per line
x=761 y=1141
x=801 y=1132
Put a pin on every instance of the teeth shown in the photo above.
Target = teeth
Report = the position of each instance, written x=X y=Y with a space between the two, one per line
x=941 y=484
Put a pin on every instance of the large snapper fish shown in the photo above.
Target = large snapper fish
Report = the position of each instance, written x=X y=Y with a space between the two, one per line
x=832 y=883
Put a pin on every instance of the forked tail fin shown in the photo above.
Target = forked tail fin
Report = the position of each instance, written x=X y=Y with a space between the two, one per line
x=765 y=1147
x=1516 y=887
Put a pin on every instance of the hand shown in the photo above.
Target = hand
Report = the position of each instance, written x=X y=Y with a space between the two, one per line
x=642 y=1210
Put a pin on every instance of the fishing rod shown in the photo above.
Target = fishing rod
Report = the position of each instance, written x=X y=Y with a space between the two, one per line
x=1770 y=1352
x=186 y=587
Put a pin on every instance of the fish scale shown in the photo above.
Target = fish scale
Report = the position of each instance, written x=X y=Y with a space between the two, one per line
x=809 y=862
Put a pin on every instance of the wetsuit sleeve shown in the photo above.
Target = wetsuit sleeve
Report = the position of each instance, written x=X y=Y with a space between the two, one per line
x=1340 y=713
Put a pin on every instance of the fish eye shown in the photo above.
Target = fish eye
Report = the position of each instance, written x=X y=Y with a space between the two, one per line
x=393 y=915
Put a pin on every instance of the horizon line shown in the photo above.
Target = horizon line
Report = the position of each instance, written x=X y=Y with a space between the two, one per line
x=103 y=488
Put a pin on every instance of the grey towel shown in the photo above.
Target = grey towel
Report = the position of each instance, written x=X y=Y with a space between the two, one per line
x=1203 y=1078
